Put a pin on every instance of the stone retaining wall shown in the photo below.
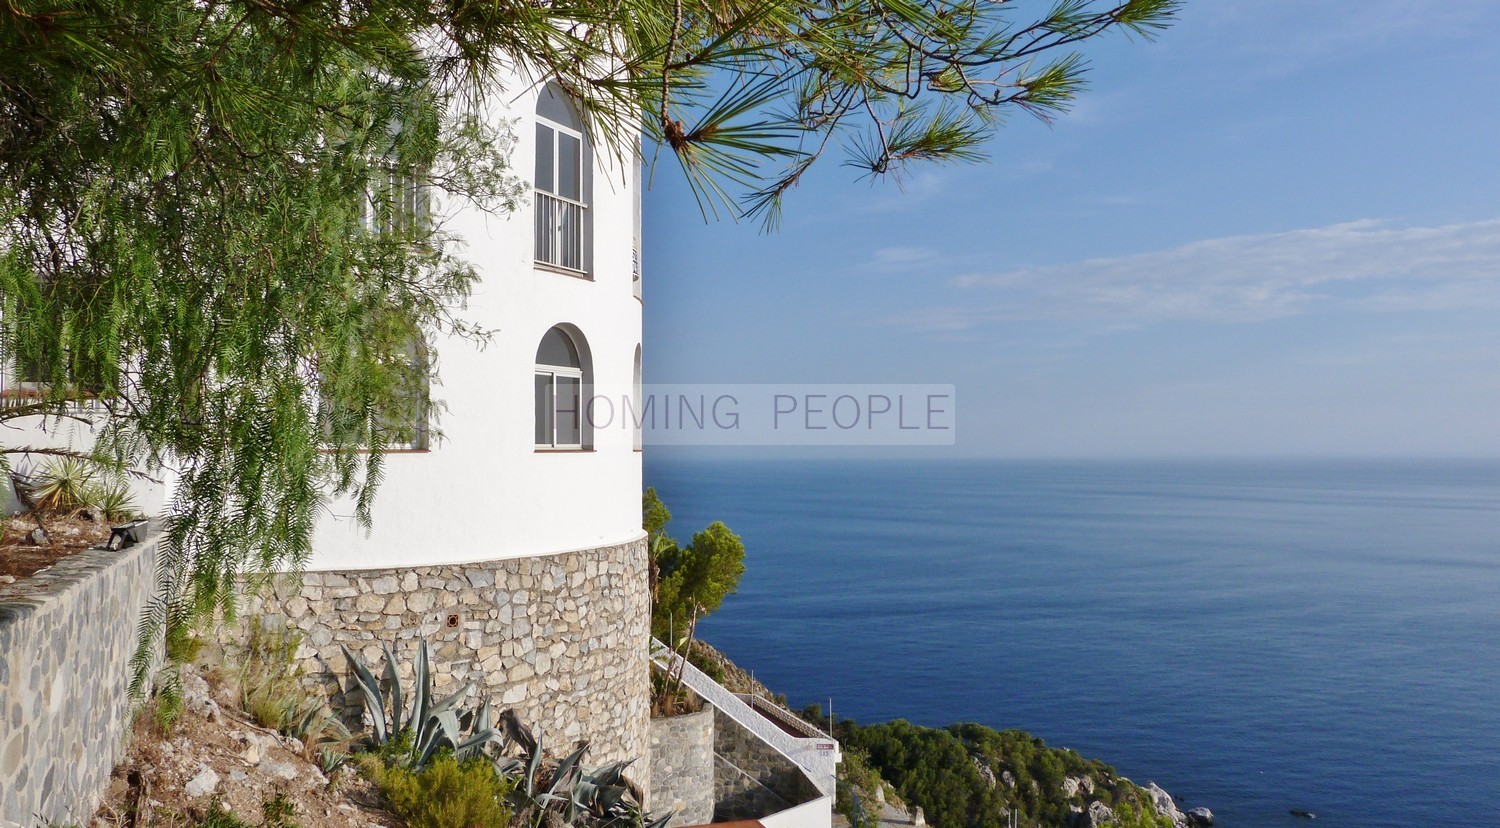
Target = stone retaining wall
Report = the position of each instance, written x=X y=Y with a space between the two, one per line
x=561 y=639
x=682 y=767
x=752 y=779
x=66 y=637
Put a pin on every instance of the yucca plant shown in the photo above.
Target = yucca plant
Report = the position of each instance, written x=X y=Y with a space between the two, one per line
x=63 y=486
x=570 y=793
x=414 y=728
x=113 y=498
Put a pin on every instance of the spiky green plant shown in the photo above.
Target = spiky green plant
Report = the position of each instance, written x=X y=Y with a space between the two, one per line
x=272 y=692
x=419 y=725
x=63 y=486
x=409 y=731
x=113 y=498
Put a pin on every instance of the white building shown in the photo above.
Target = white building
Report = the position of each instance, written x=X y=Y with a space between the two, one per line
x=518 y=472
x=513 y=545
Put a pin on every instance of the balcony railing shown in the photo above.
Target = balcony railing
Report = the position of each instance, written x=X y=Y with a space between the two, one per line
x=559 y=231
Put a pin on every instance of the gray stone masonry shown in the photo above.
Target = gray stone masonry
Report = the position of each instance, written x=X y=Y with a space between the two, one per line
x=752 y=780
x=682 y=767
x=561 y=639
x=67 y=634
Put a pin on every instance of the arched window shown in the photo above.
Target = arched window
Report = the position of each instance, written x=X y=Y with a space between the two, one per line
x=636 y=399
x=562 y=385
x=564 y=185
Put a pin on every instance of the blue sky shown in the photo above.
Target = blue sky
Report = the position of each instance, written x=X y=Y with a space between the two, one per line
x=1274 y=231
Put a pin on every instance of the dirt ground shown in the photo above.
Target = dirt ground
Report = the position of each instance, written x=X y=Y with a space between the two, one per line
x=215 y=752
x=69 y=535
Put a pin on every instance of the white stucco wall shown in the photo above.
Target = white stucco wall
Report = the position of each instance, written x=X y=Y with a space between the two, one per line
x=485 y=492
x=73 y=435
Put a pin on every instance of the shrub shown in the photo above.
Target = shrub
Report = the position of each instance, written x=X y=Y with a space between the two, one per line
x=182 y=646
x=277 y=812
x=447 y=793
x=217 y=816
x=271 y=688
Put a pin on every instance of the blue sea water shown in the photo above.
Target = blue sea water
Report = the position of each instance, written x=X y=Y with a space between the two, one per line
x=1254 y=637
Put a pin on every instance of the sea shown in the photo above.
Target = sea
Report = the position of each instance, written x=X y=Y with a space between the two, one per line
x=1255 y=637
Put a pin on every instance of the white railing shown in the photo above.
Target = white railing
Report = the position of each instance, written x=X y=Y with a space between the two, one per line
x=559 y=231
x=818 y=757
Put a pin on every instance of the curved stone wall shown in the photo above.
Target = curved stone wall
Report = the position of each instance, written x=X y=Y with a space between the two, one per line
x=561 y=639
x=66 y=637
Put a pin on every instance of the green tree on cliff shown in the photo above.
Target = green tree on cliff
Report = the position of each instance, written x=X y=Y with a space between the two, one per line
x=688 y=582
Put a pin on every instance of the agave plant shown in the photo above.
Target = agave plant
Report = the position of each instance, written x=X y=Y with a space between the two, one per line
x=571 y=795
x=410 y=729
x=417 y=726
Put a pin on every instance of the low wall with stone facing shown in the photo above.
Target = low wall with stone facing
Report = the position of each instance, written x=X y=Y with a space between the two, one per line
x=67 y=634
x=561 y=639
x=682 y=767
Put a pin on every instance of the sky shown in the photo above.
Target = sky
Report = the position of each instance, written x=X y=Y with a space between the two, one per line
x=1272 y=232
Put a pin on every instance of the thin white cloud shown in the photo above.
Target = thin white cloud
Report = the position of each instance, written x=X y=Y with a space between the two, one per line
x=1362 y=266
x=1287 y=36
x=898 y=256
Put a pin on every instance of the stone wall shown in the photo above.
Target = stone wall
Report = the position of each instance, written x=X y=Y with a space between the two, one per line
x=751 y=779
x=561 y=639
x=66 y=637
x=682 y=767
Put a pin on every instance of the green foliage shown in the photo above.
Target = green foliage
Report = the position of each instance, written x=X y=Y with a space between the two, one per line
x=448 y=793
x=271 y=688
x=944 y=772
x=689 y=582
x=166 y=703
x=329 y=761
x=857 y=786
x=64 y=486
x=182 y=646
x=408 y=730
x=693 y=580
x=654 y=514
x=113 y=498
x=217 y=816
x=277 y=811
x=412 y=736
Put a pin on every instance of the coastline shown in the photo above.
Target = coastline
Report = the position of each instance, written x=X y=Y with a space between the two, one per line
x=1007 y=774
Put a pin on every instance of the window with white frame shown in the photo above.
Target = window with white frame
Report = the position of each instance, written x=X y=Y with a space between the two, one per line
x=563 y=183
x=407 y=414
x=396 y=200
x=561 y=383
x=27 y=380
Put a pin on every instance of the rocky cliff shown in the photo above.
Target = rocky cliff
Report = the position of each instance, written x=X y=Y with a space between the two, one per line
x=972 y=776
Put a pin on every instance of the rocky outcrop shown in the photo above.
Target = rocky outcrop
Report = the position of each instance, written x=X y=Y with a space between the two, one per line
x=984 y=770
x=1074 y=785
x=1200 y=817
x=1096 y=815
x=1166 y=806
